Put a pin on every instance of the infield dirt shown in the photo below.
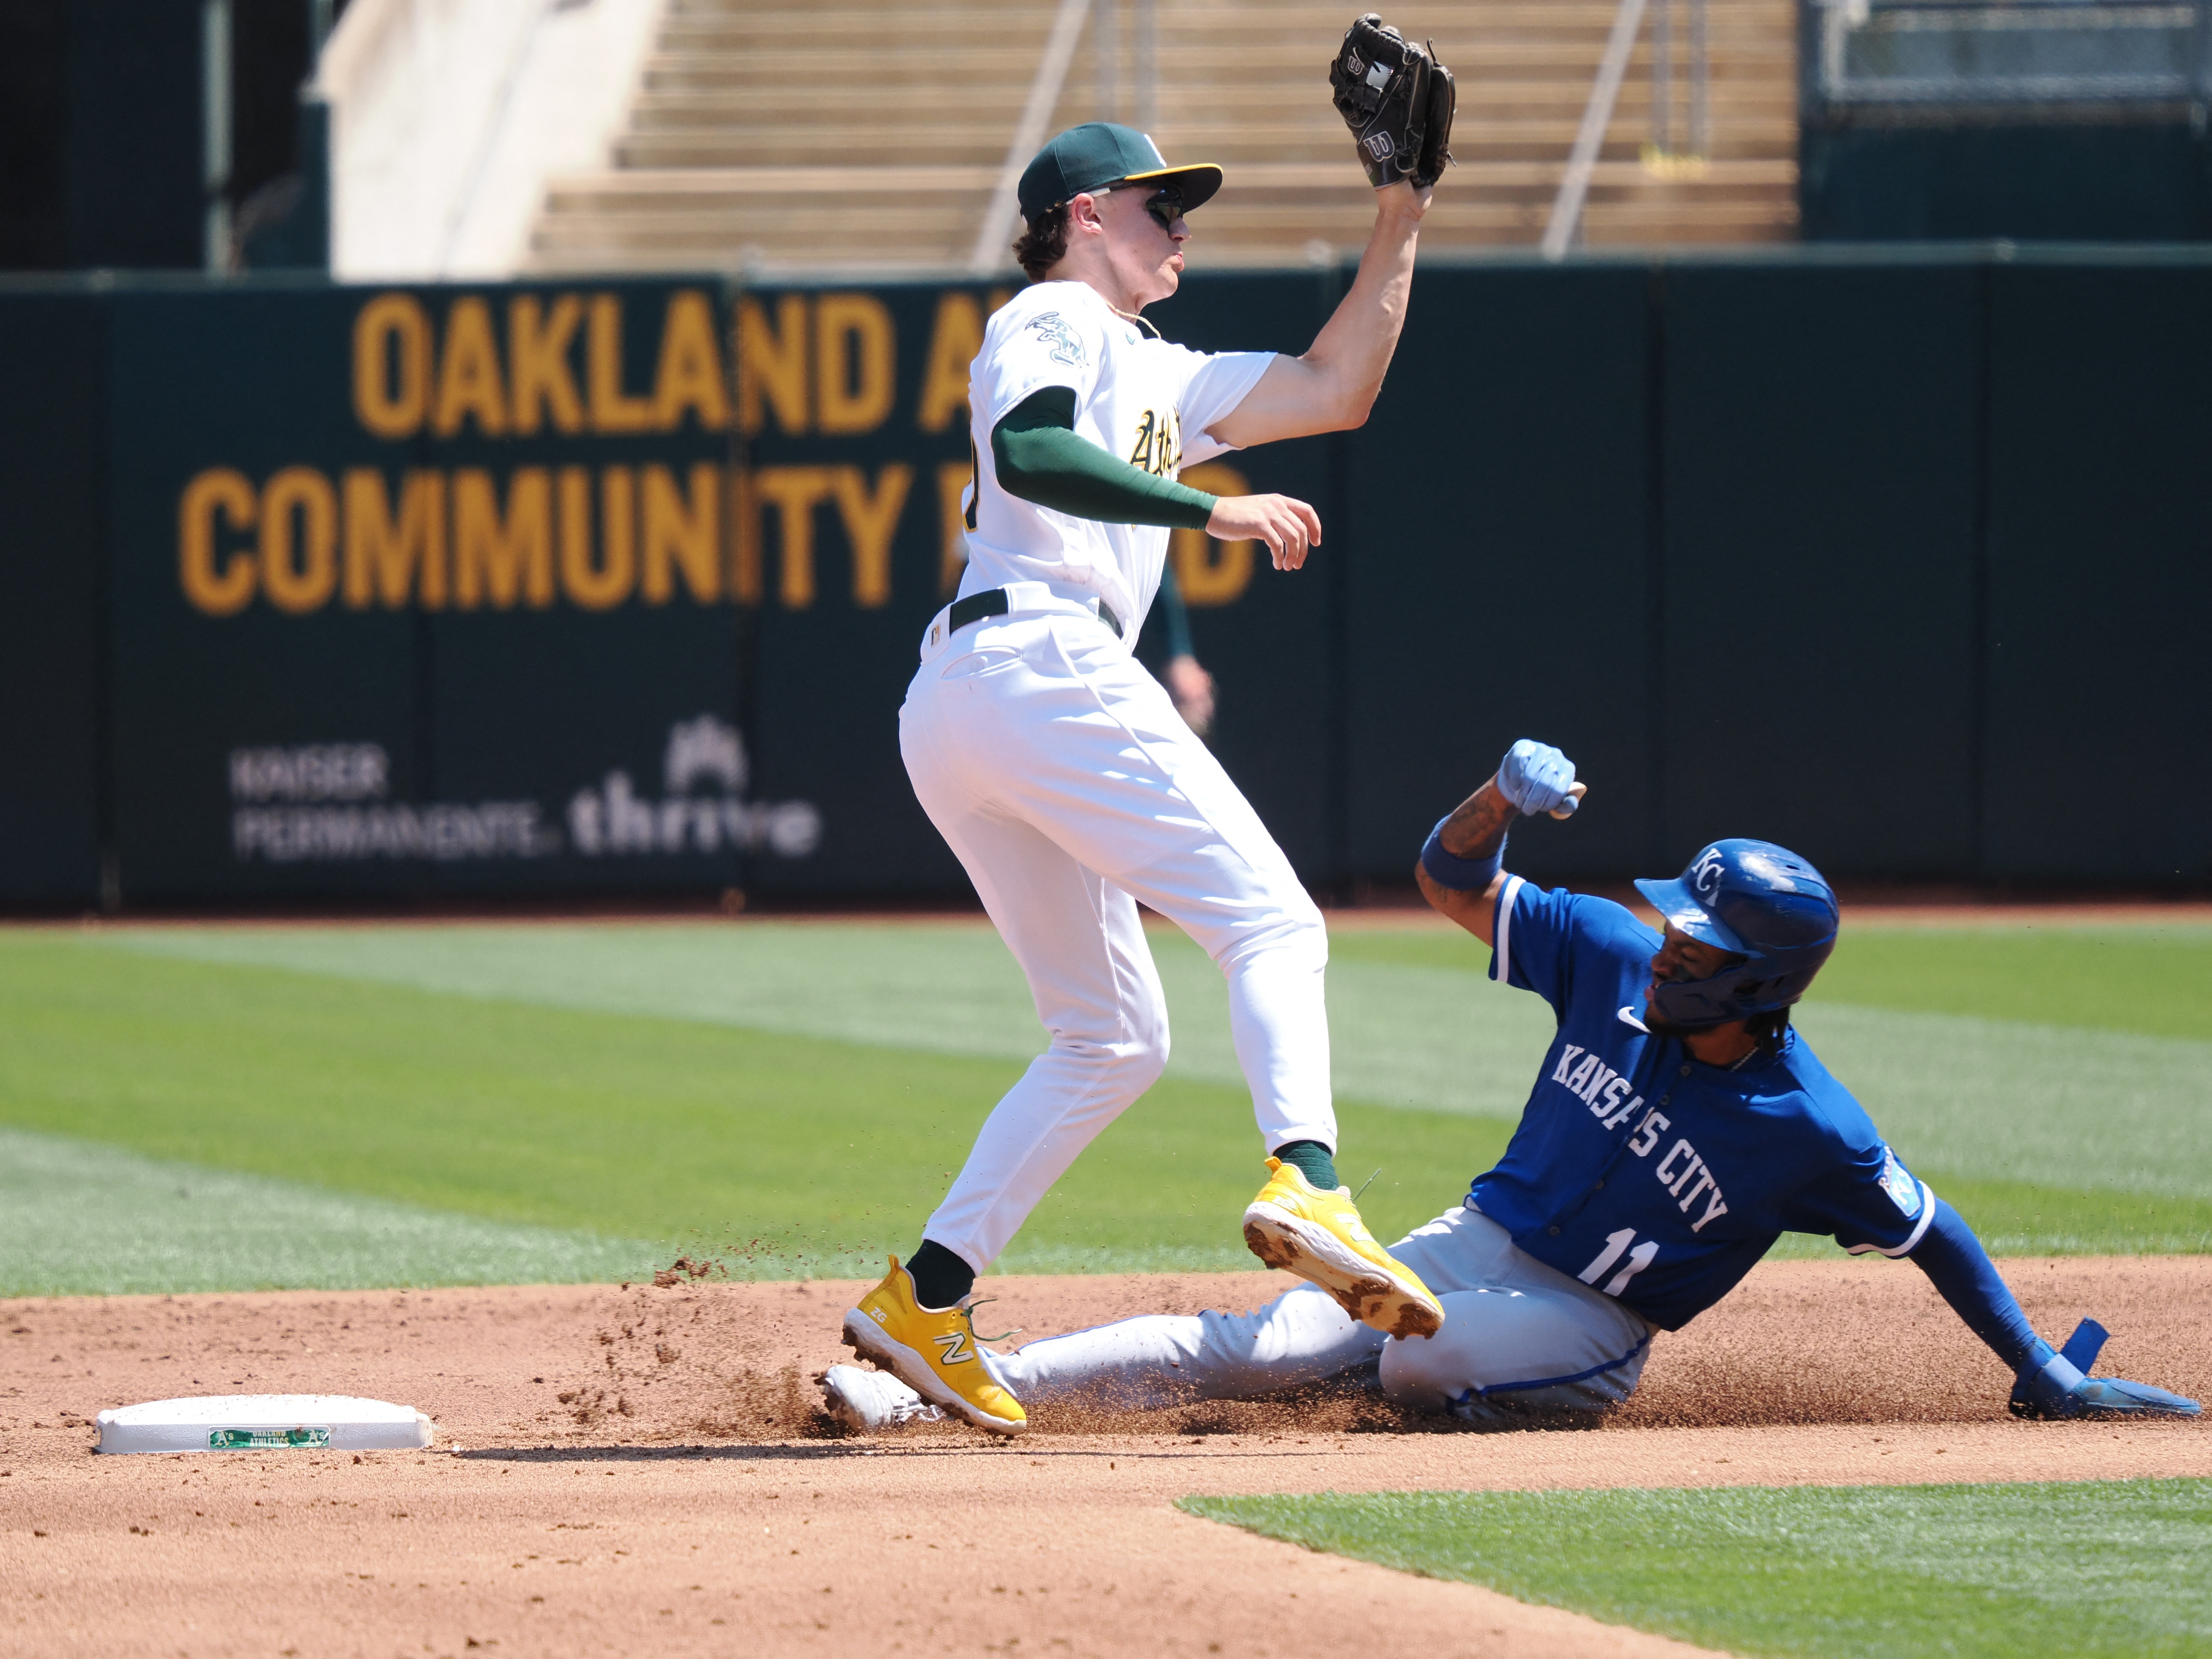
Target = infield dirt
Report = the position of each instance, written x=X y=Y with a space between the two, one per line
x=645 y=1470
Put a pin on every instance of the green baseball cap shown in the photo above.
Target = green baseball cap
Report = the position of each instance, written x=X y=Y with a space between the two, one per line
x=1107 y=153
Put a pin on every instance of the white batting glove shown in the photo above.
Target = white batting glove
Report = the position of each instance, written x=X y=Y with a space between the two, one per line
x=1536 y=778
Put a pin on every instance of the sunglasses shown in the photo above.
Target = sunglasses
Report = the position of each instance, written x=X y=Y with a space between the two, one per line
x=1164 y=205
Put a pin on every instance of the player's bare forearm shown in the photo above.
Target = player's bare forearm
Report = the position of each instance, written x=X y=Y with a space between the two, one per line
x=1355 y=346
x=1475 y=830
x=1333 y=386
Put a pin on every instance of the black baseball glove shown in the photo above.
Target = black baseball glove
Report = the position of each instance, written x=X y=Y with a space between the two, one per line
x=1398 y=102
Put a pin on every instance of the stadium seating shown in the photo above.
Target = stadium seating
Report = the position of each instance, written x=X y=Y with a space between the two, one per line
x=869 y=133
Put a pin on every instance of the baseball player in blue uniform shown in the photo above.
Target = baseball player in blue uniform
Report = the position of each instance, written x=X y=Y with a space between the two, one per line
x=1678 y=1126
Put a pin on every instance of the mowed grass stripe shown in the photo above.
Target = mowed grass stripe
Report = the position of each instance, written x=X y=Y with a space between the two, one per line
x=1402 y=1037
x=2120 y=1568
x=2152 y=978
x=1413 y=1023
x=79 y=1218
x=782 y=1155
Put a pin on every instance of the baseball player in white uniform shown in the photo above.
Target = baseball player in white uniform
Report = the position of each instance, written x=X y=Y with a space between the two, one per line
x=1059 y=770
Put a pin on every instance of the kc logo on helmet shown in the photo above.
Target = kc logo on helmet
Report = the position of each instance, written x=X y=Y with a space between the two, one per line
x=1705 y=873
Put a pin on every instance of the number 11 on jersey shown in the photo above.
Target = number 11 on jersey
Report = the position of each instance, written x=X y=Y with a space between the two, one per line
x=1638 y=1260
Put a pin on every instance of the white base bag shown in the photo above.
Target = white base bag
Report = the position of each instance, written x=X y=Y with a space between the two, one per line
x=264 y=1422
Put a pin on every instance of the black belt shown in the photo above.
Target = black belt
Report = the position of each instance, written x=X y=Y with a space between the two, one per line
x=991 y=602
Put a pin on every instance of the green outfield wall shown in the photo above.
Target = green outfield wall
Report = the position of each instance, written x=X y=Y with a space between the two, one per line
x=614 y=585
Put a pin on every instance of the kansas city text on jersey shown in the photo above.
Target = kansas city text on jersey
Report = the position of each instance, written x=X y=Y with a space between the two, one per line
x=1683 y=1172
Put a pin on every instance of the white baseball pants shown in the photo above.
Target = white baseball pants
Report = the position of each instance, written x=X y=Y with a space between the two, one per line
x=1059 y=773
x=1517 y=1335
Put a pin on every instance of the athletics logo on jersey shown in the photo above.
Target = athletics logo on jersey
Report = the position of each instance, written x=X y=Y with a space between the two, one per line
x=1897 y=1181
x=1159 y=446
x=1062 y=342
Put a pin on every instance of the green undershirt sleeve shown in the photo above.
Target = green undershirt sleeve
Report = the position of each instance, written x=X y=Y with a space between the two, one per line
x=1041 y=459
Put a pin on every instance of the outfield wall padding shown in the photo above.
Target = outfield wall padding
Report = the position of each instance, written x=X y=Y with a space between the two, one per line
x=2099 y=580
x=614 y=585
x=1500 y=560
x=51 y=373
x=1816 y=571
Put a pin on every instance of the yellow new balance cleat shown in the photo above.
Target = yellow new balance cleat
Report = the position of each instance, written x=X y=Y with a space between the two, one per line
x=933 y=1353
x=1318 y=1235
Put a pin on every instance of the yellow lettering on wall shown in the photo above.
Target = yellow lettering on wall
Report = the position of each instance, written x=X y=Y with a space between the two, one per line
x=394 y=561
x=772 y=361
x=606 y=584
x=227 y=591
x=796 y=491
x=1210 y=572
x=537 y=363
x=953 y=343
x=469 y=381
x=613 y=409
x=681 y=535
x=953 y=478
x=744 y=538
x=299 y=572
x=502 y=559
x=870 y=523
x=855 y=365
x=392 y=365
x=691 y=373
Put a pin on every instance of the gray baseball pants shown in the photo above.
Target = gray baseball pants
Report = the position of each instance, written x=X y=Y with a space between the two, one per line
x=1517 y=1336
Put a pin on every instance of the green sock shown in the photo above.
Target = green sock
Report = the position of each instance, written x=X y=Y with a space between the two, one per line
x=1312 y=1160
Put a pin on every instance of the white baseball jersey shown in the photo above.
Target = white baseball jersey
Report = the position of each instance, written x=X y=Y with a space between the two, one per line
x=1137 y=397
x=1059 y=774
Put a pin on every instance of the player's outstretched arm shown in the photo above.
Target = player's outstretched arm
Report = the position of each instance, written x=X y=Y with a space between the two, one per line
x=2046 y=1383
x=1333 y=386
x=1462 y=868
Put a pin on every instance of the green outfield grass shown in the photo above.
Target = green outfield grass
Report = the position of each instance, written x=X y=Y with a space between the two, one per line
x=791 y=1097
x=2151 y=978
x=79 y=1216
x=779 y=1155
x=2119 y=1568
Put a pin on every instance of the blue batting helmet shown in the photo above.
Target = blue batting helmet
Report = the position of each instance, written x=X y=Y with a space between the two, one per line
x=1761 y=902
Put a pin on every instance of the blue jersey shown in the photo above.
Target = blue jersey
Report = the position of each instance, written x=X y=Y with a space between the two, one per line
x=1649 y=1176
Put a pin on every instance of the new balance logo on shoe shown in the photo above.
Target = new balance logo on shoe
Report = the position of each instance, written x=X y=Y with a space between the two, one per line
x=955 y=1347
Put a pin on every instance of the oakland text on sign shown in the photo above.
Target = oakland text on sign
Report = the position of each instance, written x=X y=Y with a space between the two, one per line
x=598 y=531
x=817 y=363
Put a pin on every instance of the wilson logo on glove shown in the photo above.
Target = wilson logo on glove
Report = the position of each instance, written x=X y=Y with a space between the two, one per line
x=1397 y=99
